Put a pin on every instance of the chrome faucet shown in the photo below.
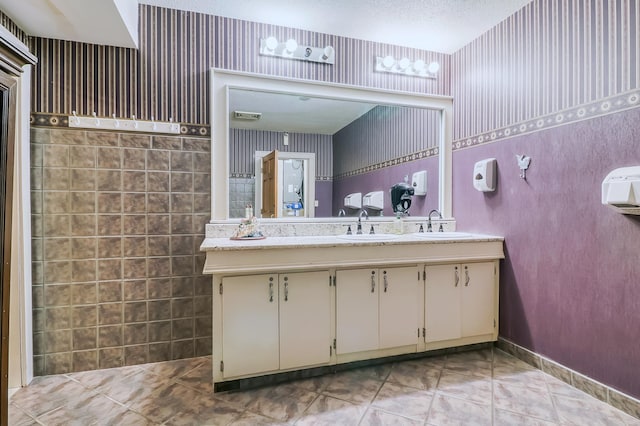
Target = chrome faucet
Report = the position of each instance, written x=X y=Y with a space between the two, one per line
x=429 y=229
x=366 y=215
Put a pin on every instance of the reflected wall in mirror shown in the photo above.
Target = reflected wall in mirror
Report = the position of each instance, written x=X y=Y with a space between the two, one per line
x=357 y=147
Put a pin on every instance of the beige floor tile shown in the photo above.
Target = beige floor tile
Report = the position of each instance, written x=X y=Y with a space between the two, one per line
x=404 y=401
x=376 y=417
x=331 y=411
x=470 y=387
x=86 y=410
x=175 y=369
x=252 y=419
x=165 y=403
x=473 y=388
x=284 y=402
x=353 y=387
x=508 y=418
x=47 y=394
x=207 y=411
x=200 y=378
x=575 y=411
x=17 y=417
x=532 y=402
x=417 y=374
x=133 y=388
x=448 y=410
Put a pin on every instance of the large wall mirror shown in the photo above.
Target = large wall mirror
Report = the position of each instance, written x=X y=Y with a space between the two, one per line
x=295 y=149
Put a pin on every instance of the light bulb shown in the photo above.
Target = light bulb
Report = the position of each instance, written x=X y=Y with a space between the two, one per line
x=271 y=43
x=404 y=63
x=291 y=45
x=434 y=67
x=388 y=62
x=328 y=51
x=418 y=66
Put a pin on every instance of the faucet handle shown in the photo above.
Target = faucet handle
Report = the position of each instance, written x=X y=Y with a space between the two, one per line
x=421 y=229
x=349 y=232
x=371 y=230
x=440 y=229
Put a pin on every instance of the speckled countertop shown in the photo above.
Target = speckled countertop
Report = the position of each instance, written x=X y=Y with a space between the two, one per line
x=215 y=244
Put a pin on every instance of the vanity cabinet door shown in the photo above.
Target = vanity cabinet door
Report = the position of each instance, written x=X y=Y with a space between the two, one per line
x=250 y=324
x=460 y=300
x=442 y=303
x=356 y=310
x=398 y=313
x=478 y=298
x=305 y=319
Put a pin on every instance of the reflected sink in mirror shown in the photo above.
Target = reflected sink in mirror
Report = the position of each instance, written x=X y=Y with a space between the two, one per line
x=442 y=235
x=369 y=237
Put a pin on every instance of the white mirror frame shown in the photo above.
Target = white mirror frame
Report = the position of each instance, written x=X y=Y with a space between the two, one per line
x=223 y=80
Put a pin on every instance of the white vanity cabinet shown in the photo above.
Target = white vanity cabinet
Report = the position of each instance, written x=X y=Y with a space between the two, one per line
x=460 y=301
x=376 y=308
x=275 y=322
x=300 y=306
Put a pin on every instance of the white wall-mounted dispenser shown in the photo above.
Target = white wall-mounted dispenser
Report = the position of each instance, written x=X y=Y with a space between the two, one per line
x=621 y=190
x=419 y=182
x=353 y=201
x=373 y=200
x=484 y=175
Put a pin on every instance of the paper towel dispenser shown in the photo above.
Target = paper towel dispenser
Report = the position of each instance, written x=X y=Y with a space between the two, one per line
x=621 y=190
x=373 y=200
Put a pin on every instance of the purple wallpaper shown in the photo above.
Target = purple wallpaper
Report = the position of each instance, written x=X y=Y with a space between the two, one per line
x=549 y=57
x=557 y=81
x=168 y=76
x=383 y=179
x=383 y=136
x=244 y=143
x=569 y=284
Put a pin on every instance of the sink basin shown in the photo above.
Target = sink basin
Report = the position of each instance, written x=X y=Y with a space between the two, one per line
x=442 y=235
x=368 y=237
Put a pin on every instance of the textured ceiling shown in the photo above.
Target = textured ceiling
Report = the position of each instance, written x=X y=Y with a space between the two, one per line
x=437 y=25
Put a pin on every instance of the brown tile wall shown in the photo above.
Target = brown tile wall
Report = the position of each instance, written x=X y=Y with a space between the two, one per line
x=117 y=222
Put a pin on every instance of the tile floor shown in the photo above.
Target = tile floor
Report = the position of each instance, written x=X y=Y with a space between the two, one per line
x=474 y=388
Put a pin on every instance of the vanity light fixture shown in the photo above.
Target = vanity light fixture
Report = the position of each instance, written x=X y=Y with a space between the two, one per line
x=290 y=49
x=417 y=68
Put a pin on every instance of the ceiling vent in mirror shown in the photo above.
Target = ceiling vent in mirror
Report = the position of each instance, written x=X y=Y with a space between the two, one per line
x=244 y=115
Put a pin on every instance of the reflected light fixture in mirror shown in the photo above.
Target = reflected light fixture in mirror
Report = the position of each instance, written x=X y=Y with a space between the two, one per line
x=417 y=68
x=290 y=49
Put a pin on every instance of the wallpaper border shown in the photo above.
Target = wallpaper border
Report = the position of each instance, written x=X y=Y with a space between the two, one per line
x=430 y=152
x=605 y=106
